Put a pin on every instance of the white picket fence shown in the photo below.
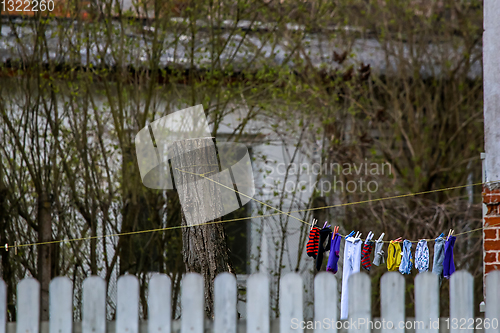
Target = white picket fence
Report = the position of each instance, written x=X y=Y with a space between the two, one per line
x=258 y=310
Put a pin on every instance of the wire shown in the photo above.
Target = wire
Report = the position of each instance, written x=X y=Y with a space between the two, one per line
x=255 y=217
x=346 y=204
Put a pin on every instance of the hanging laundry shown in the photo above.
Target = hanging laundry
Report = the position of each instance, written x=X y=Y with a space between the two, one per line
x=379 y=251
x=312 y=244
x=422 y=256
x=367 y=250
x=437 y=265
x=333 y=259
x=352 y=260
x=448 y=263
x=324 y=234
x=406 y=258
x=394 y=256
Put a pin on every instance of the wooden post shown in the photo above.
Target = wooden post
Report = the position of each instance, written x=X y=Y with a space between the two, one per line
x=94 y=305
x=392 y=303
x=160 y=304
x=225 y=303
x=427 y=302
x=61 y=305
x=461 y=302
x=325 y=302
x=3 y=306
x=492 y=302
x=127 y=307
x=28 y=306
x=258 y=303
x=291 y=310
x=193 y=316
x=360 y=302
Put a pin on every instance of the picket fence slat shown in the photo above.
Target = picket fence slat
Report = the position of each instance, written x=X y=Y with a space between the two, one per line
x=492 y=302
x=28 y=306
x=160 y=304
x=360 y=302
x=3 y=306
x=290 y=307
x=325 y=302
x=461 y=302
x=427 y=302
x=127 y=307
x=392 y=302
x=225 y=303
x=94 y=305
x=61 y=305
x=258 y=303
x=192 y=301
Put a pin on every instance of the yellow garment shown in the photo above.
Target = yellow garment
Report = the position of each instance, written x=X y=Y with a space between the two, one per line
x=394 y=256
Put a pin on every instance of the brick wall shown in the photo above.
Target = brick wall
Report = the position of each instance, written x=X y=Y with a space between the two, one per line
x=491 y=231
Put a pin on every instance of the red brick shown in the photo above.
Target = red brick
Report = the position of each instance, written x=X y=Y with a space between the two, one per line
x=490 y=257
x=490 y=234
x=491 y=267
x=490 y=199
x=492 y=221
x=488 y=190
x=492 y=245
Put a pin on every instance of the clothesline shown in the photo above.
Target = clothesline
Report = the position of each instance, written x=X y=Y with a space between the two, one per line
x=430 y=239
x=18 y=245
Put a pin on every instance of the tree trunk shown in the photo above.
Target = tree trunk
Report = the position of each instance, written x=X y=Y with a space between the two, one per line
x=44 y=252
x=205 y=249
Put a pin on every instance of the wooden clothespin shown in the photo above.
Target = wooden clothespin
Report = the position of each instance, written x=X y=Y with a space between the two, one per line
x=6 y=247
x=450 y=234
x=312 y=224
x=335 y=231
x=399 y=239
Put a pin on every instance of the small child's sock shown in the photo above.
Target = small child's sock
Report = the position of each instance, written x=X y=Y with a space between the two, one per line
x=312 y=244
x=365 y=256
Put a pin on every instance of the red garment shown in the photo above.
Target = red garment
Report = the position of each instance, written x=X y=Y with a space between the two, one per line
x=312 y=244
x=365 y=256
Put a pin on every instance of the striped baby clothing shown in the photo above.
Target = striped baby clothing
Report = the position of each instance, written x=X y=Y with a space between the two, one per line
x=406 y=259
x=312 y=244
x=365 y=256
x=422 y=256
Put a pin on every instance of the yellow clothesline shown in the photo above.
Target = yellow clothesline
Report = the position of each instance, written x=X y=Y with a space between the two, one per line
x=279 y=212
